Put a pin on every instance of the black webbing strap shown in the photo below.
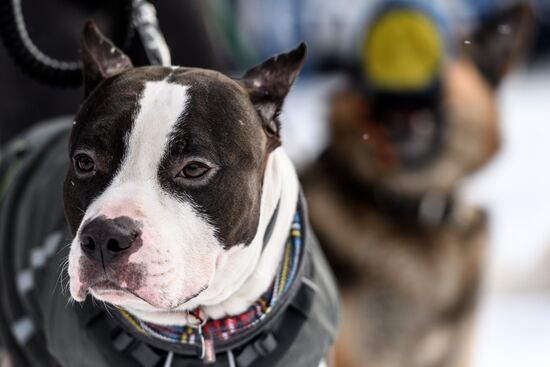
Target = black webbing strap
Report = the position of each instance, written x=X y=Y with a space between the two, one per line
x=271 y=225
x=119 y=347
x=271 y=344
x=402 y=208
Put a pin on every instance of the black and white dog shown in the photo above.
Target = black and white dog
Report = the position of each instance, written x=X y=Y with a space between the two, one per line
x=180 y=198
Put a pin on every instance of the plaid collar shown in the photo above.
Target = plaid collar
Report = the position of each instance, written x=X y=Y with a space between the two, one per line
x=223 y=329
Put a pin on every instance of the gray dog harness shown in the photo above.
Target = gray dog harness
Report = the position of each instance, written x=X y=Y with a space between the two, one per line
x=39 y=326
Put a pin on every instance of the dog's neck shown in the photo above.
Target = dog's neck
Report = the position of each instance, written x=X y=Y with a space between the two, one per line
x=422 y=210
x=244 y=272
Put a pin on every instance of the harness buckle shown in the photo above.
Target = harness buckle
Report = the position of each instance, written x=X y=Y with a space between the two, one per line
x=208 y=351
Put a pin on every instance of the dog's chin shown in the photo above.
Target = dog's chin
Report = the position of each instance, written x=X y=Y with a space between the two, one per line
x=115 y=295
x=110 y=293
x=125 y=298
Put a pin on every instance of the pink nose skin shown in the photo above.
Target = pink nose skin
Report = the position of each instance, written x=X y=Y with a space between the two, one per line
x=122 y=208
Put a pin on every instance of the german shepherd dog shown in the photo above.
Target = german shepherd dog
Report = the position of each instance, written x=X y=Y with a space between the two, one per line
x=408 y=253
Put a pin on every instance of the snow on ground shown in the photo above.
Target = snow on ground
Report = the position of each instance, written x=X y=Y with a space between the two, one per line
x=514 y=320
x=513 y=331
x=514 y=317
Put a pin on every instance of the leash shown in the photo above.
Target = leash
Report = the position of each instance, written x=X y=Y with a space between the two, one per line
x=137 y=16
x=147 y=26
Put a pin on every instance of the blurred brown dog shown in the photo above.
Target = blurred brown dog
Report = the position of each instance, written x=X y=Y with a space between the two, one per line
x=407 y=251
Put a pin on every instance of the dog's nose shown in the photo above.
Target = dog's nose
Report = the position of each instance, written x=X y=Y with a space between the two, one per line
x=103 y=240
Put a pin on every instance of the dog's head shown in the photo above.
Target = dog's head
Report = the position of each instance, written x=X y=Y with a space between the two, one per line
x=427 y=139
x=167 y=172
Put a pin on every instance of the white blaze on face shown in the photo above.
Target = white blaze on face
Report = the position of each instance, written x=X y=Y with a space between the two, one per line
x=180 y=248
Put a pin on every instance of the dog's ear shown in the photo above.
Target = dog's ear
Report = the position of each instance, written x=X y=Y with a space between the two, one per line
x=268 y=84
x=499 y=41
x=101 y=59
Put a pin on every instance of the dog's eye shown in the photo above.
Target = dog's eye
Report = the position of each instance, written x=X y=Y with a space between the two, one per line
x=84 y=163
x=194 y=170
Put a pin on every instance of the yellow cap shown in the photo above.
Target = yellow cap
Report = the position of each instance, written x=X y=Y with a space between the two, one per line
x=402 y=51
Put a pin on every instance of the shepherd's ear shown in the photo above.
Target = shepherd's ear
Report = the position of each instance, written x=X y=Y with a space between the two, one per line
x=101 y=59
x=268 y=84
x=499 y=41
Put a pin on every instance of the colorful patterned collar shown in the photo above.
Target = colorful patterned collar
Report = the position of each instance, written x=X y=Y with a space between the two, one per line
x=223 y=329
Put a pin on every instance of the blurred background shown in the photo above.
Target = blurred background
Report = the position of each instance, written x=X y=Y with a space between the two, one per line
x=513 y=320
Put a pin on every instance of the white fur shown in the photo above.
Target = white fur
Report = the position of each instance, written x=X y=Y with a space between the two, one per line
x=180 y=251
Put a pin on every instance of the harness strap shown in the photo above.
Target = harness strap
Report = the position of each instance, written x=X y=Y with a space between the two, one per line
x=284 y=334
x=431 y=209
x=271 y=225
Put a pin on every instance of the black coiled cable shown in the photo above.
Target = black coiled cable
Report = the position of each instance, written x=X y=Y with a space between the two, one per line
x=33 y=61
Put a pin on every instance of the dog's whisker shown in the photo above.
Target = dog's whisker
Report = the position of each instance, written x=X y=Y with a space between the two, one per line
x=62 y=277
x=63 y=248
